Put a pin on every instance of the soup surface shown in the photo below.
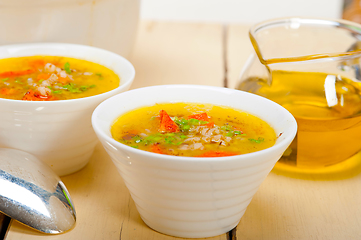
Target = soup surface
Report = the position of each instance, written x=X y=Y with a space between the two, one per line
x=46 y=78
x=193 y=130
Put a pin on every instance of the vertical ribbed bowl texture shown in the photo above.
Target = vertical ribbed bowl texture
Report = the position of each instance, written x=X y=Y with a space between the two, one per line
x=188 y=196
x=58 y=132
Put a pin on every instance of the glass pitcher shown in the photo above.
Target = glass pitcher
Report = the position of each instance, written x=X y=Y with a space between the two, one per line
x=312 y=68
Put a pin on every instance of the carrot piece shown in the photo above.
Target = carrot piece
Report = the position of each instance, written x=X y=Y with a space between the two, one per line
x=166 y=123
x=16 y=73
x=37 y=63
x=209 y=125
x=217 y=154
x=63 y=80
x=200 y=116
x=43 y=76
x=30 y=95
x=156 y=149
x=7 y=91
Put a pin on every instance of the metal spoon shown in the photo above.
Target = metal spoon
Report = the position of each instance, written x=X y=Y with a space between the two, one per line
x=31 y=193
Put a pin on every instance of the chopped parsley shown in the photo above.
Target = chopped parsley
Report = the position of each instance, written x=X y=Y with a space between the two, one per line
x=72 y=88
x=85 y=87
x=67 y=68
x=230 y=132
x=259 y=140
x=100 y=76
x=185 y=125
x=161 y=138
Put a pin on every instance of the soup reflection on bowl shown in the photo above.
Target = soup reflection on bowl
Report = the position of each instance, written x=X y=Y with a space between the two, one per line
x=191 y=196
x=48 y=92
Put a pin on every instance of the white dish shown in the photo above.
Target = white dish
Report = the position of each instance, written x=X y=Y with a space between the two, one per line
x=188 y=196
x=58 y=132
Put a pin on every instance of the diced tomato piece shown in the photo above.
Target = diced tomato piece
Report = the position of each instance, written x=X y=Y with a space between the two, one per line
x=218 y=154
x=166 y=123
x=156 y=149
x=7 y=91
x=200 y=116
x=16 y=73
x=30 y=95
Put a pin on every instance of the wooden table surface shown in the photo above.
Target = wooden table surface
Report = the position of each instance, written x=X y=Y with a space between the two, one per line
x=284 y=208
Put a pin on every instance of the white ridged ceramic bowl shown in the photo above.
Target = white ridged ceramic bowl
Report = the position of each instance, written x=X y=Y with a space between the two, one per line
x=58 y=132
x=188 y=196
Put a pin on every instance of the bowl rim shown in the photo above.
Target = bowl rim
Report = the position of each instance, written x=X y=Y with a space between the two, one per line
x=46 y=45
x=289 y=137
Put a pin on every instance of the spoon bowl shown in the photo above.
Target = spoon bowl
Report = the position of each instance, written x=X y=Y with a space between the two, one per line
x=33 y=194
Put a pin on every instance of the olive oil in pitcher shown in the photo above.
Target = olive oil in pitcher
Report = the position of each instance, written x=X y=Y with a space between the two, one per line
x=328 y=112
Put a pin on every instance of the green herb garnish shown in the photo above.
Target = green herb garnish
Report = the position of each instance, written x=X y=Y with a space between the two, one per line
x=229 y=134
x=67 y=68
x=18 y=81
x=163 y=138
x=227 y=127
x=72 y=88
x=5 y=79
x=183 y=136
x=100 y=76
x=259 y=140
x=84 y=88
x=185 y=125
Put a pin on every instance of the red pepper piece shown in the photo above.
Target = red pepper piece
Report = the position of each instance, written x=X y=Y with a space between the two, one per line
x=209 y=125
x=217 y=154
x=166 y=123
x=200 y=116
x=30 y=95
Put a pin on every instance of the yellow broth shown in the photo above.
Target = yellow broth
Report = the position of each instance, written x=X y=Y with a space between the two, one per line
x=44 y=78
x=225 y=132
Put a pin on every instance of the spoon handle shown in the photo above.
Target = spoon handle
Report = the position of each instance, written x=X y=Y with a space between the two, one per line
x=5 y=223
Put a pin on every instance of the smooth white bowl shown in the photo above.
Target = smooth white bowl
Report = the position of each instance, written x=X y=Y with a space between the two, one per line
x=188 y=196
x=58 y=132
